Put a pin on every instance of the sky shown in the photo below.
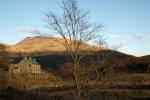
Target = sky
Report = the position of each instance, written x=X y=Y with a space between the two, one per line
x=126 y=22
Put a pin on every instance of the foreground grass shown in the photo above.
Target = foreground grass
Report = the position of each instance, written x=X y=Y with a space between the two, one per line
x=124 y=87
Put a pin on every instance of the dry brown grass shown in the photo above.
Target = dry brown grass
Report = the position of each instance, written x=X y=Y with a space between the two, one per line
x=130 y=79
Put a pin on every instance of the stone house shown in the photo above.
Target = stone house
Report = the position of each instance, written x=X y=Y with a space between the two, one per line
x=26 y=65
x=29 y=74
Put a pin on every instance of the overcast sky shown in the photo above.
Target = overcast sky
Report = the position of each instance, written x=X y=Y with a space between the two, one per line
x=127 y=22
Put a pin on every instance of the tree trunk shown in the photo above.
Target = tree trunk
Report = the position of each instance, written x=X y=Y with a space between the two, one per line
x=77 y=83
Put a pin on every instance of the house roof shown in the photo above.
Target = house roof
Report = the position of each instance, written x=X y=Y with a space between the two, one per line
x=33 y=61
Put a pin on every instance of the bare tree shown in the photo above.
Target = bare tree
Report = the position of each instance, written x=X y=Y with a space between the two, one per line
x=75 y=31
x=103 y=64
x=101 y=42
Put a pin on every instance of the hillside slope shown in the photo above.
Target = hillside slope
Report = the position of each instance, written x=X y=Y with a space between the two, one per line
x=41 y=46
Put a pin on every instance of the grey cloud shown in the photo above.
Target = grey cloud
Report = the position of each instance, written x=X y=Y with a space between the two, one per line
x=138 y=37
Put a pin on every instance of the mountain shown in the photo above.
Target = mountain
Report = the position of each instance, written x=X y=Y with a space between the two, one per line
x=50 y=54
x=40 y=45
